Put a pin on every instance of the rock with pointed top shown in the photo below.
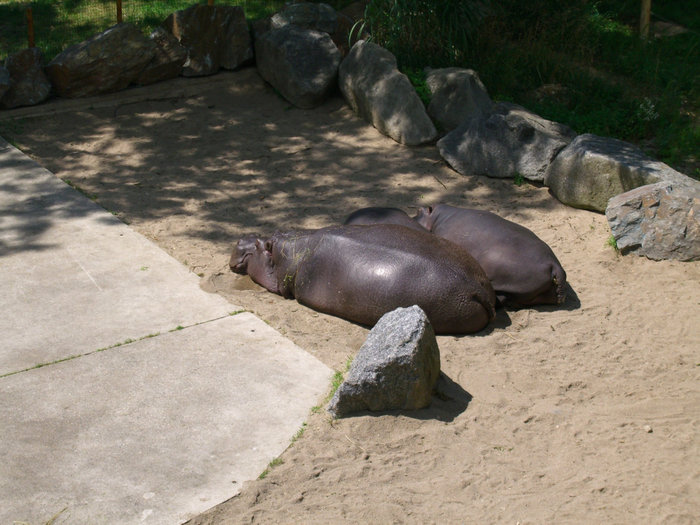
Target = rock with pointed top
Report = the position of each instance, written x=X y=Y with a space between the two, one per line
x=377 y=91
x=396 y=368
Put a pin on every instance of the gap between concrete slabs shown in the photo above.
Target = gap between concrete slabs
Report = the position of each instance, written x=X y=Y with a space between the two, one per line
x=75 y=278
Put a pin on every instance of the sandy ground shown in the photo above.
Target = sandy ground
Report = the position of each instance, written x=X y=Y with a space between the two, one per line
x=588 y=413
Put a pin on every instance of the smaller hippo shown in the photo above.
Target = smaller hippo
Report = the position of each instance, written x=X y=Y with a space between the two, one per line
x=362 y=272
x=378 y=215
x=522 y=268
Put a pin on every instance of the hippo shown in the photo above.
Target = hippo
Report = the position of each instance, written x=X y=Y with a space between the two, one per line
x=522 y=268
x=361 y=272
x=378 y=215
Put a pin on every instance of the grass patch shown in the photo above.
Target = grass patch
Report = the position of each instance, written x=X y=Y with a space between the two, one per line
x=71 y=357
x=274 y=463
x=612 y=242
x=91 y=196
x=336 y=381
x=296 y=437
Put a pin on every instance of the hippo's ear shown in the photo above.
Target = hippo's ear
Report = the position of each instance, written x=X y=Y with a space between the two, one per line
x=263 y=246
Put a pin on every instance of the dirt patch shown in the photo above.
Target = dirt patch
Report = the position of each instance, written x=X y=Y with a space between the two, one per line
x=586 y=413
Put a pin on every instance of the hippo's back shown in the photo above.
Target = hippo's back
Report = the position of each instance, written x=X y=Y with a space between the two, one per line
x=362 y=272
x=522 y=267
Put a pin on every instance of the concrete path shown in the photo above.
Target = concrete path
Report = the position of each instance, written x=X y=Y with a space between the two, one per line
x=127 y=394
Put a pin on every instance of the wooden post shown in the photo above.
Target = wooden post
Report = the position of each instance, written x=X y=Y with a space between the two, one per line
x=120 y=18
x=210 y=2
x=644 y=19
x=30 y=27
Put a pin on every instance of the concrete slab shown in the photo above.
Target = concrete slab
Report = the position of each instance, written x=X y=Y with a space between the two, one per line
x=75 y=278
x=156 y=431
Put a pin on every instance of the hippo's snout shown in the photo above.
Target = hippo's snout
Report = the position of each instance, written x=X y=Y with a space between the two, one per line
x=242 y=252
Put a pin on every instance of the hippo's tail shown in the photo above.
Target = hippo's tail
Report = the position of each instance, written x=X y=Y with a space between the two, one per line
x=559 y=280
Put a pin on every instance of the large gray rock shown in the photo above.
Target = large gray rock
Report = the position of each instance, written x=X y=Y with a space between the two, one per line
x=593 y=169
x=167 y=61
x=396 y=368
x=506 y=142
x=306 y=15
x=302 y=64
x=457 y=94
x=26 y=84
x=659 y=221
x=214 y=37
x=107 y=62
x=4 y=81
x=379 y=93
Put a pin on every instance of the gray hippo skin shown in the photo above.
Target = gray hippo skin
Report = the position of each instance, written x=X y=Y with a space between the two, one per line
x=378 y=215
x=522 y=268
x=362 y=272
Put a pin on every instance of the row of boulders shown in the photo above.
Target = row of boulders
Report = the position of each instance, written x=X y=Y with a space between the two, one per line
x=299 y=51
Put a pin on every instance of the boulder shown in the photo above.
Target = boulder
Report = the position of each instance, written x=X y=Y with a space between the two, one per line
x=214 y=37
x=4 y=81
x=593 y=169
x=25 y=81
x=507 y=142
x=302 y=64
x=167 y=61
x=376 y=90
x=457 y=94
x=237 y=45
x=105 y=63
x=659 y=221
x=306 y=15
x=396 y=368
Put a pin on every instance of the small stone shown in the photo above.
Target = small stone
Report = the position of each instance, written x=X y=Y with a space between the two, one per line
x=648 y=429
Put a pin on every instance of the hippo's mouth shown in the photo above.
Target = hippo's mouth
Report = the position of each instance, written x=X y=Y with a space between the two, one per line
x=241 y=265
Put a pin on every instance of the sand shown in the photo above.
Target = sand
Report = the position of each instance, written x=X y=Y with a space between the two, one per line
x=586 y=413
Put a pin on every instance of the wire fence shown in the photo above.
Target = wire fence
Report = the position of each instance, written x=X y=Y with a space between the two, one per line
x=56 y=24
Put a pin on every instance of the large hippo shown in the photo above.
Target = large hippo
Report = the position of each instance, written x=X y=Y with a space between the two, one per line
x=362 y=272
x=522 y=268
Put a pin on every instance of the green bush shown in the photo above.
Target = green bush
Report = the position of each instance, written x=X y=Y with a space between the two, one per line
x=420 y=32
x=580 y=62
